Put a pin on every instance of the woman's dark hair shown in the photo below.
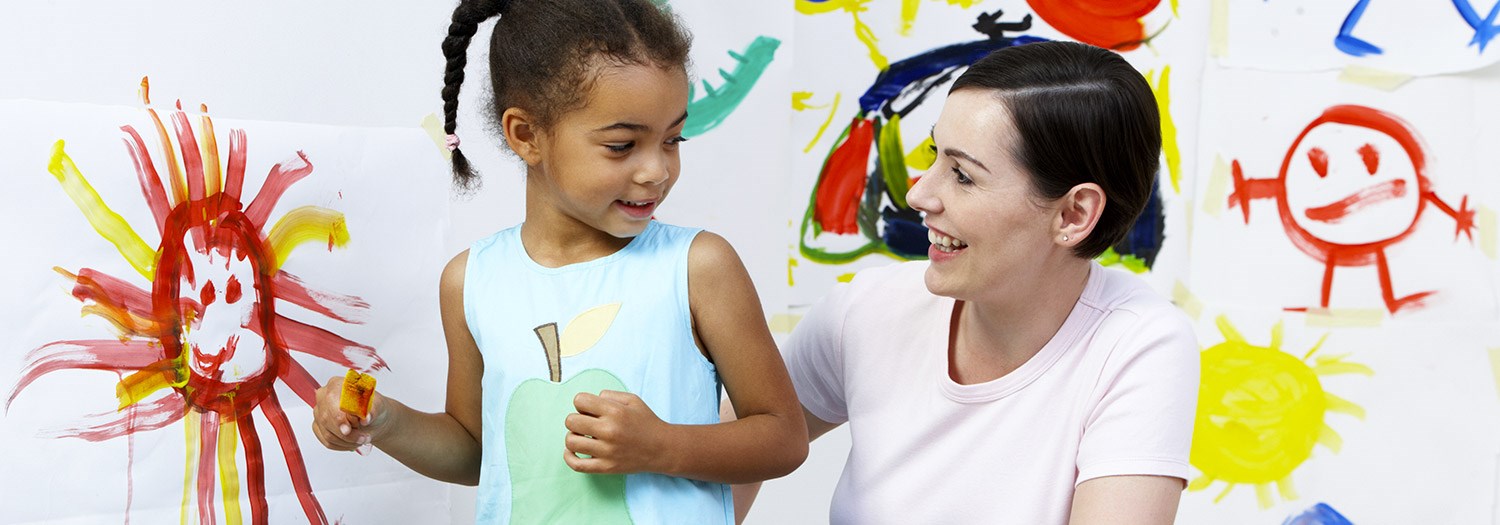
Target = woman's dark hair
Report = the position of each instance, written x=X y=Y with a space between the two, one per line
x=543 y=54
x=1081 y=114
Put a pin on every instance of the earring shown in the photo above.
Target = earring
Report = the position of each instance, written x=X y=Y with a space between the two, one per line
x=1065 y=238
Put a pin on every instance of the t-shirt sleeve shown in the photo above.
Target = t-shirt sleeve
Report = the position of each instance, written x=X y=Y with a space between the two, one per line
x=1142 y=423
x=814 y=356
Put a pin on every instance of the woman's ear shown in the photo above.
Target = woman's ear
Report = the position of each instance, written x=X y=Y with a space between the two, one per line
x=1077 y=213
x=522 y=134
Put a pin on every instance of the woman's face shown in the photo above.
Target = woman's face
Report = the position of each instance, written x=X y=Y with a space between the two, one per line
x=989 y=233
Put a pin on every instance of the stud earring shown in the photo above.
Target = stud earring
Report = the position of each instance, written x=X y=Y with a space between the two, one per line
x=1065 y=238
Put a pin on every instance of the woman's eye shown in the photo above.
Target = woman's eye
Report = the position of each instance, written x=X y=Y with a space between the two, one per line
x=676 y=140
x=962 y=179
x=620 y=148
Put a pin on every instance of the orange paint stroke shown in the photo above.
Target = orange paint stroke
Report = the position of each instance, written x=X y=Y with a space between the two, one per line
x=1334 y=212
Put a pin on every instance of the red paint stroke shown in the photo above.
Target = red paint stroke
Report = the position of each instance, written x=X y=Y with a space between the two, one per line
x=282 y=176
x=139 y=417
x=294 y=464
x=234 y=177
x=1110 y=24
x=103 y=354
x=1371 y=157
x=1336 y=211
x=300 y=381
x=255 y=469
x=151 y=188
x=842 y=182
x=342 y=307
x=1334 y=254
x=190 y=156
x=1319 y=160
x=318 y=342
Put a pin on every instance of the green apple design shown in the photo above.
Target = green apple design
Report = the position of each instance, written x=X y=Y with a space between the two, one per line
x=543 y=488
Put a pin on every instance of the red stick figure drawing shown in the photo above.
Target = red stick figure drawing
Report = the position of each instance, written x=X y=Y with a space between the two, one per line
x=1353 y=183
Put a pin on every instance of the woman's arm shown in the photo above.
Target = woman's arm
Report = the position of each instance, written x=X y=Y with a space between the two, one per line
x=443 y=446
x=1126 y=500
x=622 y=435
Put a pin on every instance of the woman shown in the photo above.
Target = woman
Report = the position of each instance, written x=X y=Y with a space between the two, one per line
x=1010 y=379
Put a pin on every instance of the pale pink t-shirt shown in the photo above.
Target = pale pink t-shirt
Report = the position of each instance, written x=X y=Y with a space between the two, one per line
x=1113 y=393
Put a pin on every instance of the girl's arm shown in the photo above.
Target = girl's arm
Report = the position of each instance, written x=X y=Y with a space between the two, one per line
x=621 y=435
x=443 y=446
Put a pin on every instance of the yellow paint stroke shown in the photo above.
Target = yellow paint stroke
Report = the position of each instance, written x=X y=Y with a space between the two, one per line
x=791 y=263
x=1495 y=367
x=1174 y=10
x=163 y=374
x=1373 y=78
x=784 y=323
x=1344 y=317
x=1218 y=28
x=109 y=224
x=861 y=31
x=848 y=277
x=229 y=476
x=1160 y=86
x=208 y=147
x=824 y=128
x=1487 y=231
x=909 y=15
x=1261 y=411
x=304 y=225
x=799 y=101
x=585 y=330
x=1128 y=261
x=1216 y=194
x=1184 y=299
x=922 y=156
x=190 y=427
x=434 y=128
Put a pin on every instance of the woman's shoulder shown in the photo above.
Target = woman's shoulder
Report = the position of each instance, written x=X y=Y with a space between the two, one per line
x=1136 y=311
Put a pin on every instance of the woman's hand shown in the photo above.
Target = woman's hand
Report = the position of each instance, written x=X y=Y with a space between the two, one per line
x=338 y=430
x=618 y=433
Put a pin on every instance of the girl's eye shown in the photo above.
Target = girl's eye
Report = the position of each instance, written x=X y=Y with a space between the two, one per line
x=620 y=148
x=676 y=140
x=962 y=179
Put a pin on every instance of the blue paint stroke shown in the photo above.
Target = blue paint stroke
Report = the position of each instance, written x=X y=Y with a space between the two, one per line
x=1484 y=29
x=1146 y=235
x=1352 y=45
x=1320 y=514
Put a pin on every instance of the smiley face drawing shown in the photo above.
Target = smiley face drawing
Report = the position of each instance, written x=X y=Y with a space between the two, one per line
x=1352 y=184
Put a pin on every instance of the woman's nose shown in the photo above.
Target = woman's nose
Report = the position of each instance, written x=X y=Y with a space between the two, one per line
x=920 y=195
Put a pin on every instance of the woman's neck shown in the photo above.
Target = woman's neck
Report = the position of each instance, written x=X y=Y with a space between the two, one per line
x=994 y=335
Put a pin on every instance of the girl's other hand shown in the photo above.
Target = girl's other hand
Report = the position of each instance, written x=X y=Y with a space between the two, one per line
x=338 y=430
x=617 y=432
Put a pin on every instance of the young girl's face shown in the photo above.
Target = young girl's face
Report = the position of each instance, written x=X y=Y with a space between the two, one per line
x=610 y=163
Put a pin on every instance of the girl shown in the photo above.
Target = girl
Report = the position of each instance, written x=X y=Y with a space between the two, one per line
x=586 y=345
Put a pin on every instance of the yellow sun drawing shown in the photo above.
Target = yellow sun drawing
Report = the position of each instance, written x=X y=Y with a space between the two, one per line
x=1261 y=410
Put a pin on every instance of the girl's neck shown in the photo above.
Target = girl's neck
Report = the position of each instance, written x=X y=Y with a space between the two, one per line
x=993 y=336
x=554 y=239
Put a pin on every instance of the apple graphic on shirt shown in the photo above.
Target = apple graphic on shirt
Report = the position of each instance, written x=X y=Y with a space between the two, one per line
x=543 y=488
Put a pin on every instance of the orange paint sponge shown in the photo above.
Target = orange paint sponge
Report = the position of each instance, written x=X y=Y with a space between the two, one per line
x=358 y=388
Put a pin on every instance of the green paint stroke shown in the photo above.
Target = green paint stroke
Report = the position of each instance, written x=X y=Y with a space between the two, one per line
x=1128 y=261
x=893 y=161
x=708 y=112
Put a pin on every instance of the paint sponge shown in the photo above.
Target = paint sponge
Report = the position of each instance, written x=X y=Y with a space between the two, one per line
x=358 y=388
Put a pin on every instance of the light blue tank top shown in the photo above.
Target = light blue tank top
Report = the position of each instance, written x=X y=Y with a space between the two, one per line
x=620 y=322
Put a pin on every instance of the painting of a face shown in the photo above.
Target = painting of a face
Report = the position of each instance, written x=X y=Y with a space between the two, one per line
x=223 y=346
x=1351 y=185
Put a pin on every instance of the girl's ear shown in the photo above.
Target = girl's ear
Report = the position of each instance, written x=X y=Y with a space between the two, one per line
x=522 y=134
x=1078 y=212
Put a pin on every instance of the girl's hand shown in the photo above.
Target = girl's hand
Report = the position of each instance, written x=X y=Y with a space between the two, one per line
x=618 y=433
x=338 y=430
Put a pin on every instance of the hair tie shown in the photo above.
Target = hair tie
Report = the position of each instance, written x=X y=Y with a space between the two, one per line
x=452 y=142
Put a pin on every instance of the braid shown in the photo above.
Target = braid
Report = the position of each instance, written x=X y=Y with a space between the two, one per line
x=466 y=19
